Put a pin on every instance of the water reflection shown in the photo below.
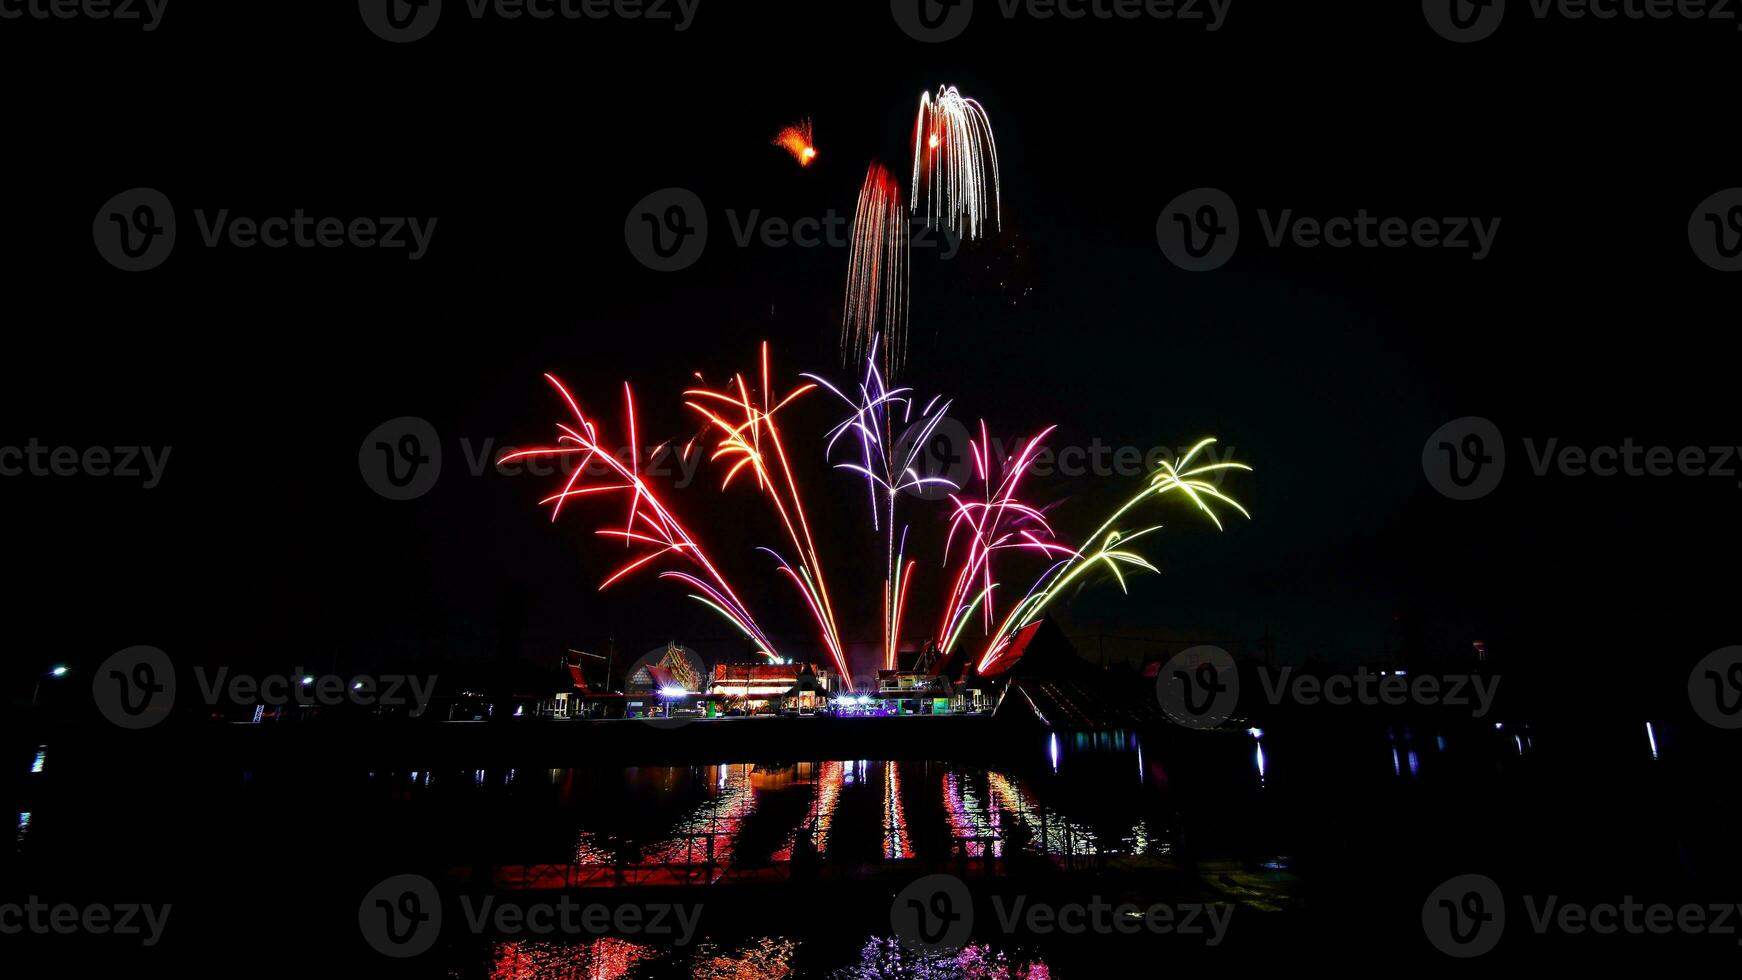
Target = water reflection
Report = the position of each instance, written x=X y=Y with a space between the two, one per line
x=597 y=959
x=883 y=958
x=703 y=823
x=761 y=958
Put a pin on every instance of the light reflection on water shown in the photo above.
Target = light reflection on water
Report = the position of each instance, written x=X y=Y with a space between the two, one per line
x=597 y=959
x=763 y=958
x=705 y=822
x=893 y=811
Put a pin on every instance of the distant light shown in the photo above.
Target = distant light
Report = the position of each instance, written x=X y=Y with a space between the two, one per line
x=357 y=686
x=1651 y=736
x=307 y=680
x=672 y=692
x=59 y=671
x=1255 y=732
x=1400 y=673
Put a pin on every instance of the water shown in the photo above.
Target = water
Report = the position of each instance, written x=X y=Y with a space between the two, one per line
x=1306 y=830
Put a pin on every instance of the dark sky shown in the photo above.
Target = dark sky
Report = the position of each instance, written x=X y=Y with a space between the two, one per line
x=1591 y=321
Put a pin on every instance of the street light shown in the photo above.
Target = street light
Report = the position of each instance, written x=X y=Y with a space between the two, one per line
x=57 y=671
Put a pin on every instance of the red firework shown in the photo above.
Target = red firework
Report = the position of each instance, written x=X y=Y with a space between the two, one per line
x=876 y=303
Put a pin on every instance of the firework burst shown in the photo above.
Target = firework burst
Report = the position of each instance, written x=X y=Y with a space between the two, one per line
x=889 y=462
x=998 y=522
x=798 y=140
x=955 y=164
x=1108 y=547
x=750 y=438
x=650 y=529
x=877 y=270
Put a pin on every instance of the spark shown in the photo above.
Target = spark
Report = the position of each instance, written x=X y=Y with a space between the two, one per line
x=798 y=139
x=649 y=522
x=877 y=271
x=955 y=164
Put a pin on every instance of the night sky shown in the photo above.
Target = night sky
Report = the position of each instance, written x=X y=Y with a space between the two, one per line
x=1591 y=321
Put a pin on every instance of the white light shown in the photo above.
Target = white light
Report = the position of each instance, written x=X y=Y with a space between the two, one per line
x=672 y=692
x=307 y=680
x=1255 y=732
x=58 y=672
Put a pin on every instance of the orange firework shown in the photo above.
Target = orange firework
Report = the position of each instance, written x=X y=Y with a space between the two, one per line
x=797 y=140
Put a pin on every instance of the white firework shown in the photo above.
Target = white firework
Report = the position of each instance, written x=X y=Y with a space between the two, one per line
x=955 y=164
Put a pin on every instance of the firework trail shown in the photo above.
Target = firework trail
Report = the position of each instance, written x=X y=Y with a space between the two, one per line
x=752 y=439
x=876 y=301
x=955 y=164
x=798 y=140
x=1106 y=545
x=649 y=523
x=998 y=522
x=889 y=462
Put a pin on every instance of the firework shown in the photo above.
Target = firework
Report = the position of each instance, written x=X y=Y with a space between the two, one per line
x=649 y=525
x=876 y=301
x=797 y=139
x=889 y=462
x=891 y=428
x=751 y=439
x=955 y=164
x=1107 y=546
x=998 y=522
